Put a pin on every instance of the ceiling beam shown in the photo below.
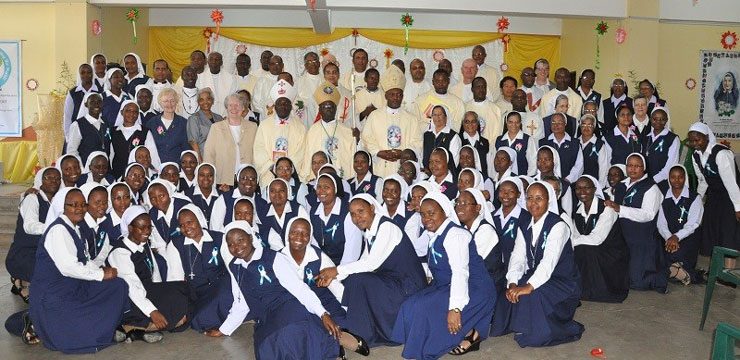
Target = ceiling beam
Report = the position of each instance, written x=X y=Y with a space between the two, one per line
x=320 y=16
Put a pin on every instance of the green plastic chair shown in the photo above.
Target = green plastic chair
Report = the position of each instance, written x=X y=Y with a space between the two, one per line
x=717 y=271
x=724 y=342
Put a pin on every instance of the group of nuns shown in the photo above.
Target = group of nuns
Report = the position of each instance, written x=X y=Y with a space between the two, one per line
x=437 y=257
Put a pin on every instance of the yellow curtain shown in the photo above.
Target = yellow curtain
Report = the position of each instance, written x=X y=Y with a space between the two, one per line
x=19 y=159
x=175 y=44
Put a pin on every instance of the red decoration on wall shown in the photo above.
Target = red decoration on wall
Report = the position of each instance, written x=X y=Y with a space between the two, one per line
x=729 y=40
x=502 y=24
x=96 y=28
x=218 y=17
x=207 y=32
x=388 y=53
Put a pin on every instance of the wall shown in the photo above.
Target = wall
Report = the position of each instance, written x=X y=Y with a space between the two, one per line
x=667 y=53
x=33 y=23
x=116 y=38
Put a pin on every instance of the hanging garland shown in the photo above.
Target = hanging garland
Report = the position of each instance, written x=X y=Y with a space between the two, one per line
x=601 y=29
x=131 y=16
x=218 y=17
x=207 y=32
x=355 y=34
x=729 y=40
x=407 y=21
x=502 y=24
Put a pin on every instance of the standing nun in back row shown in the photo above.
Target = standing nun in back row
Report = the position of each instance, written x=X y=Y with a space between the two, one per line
x=718 y=184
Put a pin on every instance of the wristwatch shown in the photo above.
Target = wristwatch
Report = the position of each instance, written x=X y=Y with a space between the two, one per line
x=456 y=310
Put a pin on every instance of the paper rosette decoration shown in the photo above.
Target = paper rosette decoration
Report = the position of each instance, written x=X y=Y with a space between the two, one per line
x=690 y=83
x=729 y=40
x=96 y=28
x=355 y=34
x=601 y=29
x=218 y=17
x=323 y=52
x=620 y=36
x=502 y=24
x=373 y=63
x=131 y=16
x=207 y=32
x=388 y=53
x=407 y=21
x=241 y=49
x=438 y=55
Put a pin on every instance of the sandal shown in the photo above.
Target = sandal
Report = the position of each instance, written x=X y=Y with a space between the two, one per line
x=15 y=290
x=471 y=339
x=29 y=334
x=20 y=289
x=684 y=279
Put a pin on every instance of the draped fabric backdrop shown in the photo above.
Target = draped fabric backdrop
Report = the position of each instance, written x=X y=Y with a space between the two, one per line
x=175 y=44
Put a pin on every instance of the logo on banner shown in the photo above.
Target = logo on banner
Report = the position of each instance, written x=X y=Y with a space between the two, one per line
x=5 y=67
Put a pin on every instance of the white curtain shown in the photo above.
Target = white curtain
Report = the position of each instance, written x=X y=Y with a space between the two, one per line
x=293 y=57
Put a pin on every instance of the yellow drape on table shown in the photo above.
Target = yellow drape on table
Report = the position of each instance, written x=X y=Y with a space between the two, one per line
x=175 y=44
x=19 y=159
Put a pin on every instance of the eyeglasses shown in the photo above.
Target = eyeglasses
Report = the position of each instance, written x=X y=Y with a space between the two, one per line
x=76 y=205
x=247 y=178
x=51 y=178
x=528 y=74
x=618 y=85
x=587 y=125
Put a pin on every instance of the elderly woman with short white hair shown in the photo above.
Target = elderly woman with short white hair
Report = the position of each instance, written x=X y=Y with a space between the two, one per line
x=229 y=143
x=169 y=129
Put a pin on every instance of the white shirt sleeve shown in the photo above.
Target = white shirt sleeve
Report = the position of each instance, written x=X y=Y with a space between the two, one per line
x=74 y=138
x=531 y=157
x=175 y=270
x=702 y=185
x=600 y=232
x=556 y=240
x=29 y=210
x=63 y=252
x=274 y=241
x=518 y=260
x=335 y=287
x=726 y=169
x=68 y=109
x=649 y=209
x=121 y=260
x=153 y=153
x=420 y=242
x=605 y=158
x=352 y=242
x=577 y=169
x=672 y=160
x=663 y=230
x=295 y=286
x=455 y=145
x=696 y=211
x=485 y=239
x=239 y=309
x=456 y=246
x=218 y=213
x=387 y=238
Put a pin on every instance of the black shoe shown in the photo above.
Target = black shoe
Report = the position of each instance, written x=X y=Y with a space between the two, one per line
x=148 y=337
x=362 y=347
x=726 y=283
x=29 y=334
x=342 y=356
x=474 y=345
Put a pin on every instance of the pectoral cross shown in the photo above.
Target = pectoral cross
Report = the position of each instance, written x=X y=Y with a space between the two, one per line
x=680 y=217
x=532 y=128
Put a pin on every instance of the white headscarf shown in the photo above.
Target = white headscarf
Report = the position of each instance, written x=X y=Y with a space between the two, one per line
x=119 y=116
x=522 y=201
x=598 y=193
x=448 y=126
x=667 y=115
x=555 y=160
x=241 y=168
x=552 y=199
x=197 y=169
x=132 y=154
x=512 y=156
x=401 y=182
x=58 y=163
x=478 y=182
x=198 y=215
x=426 y=185
x=311 y=239
x=287 y=187
x=444 y=203
x=129 y=216
x=90 y=159
x=238 y=224
x=526 y=178
x=78 y=82
x=379 y=210
x=38 y=179
x=110 y=193
x=686 y=188
x=92 y=60
x=486 y=209
x=108 y=75
x=167 y=185
x=478 y=165
x=138 y=88
x=703 y=128
x=87 y=188
x=131 y=165
x=83 y=107
x=139 y=65
x=254 y=210
x=419 y=173
x=56 y=209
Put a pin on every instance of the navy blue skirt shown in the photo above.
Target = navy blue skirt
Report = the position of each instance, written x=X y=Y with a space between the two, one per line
x=211 y=306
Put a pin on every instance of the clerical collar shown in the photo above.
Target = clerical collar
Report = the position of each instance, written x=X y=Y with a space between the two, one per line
x=165 y=82
x=479 y=102
x=393 y=111
x=189 y=91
